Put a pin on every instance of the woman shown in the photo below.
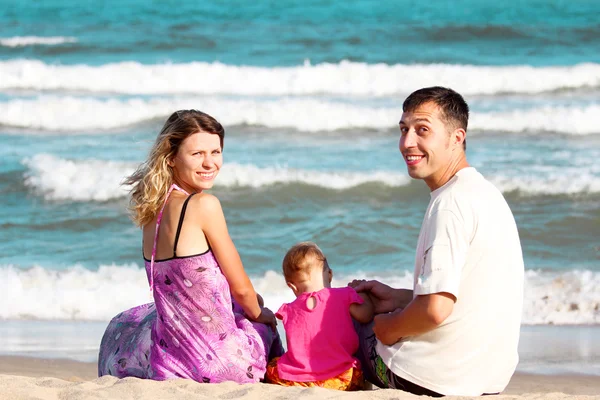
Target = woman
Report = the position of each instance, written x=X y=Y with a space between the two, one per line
x=206 y=322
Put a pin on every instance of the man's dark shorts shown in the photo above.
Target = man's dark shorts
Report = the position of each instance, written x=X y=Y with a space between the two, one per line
x=374 y=368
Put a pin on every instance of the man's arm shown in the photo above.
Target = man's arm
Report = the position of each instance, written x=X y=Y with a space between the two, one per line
x=403 y=297
x=421 y=315
x=438 y=283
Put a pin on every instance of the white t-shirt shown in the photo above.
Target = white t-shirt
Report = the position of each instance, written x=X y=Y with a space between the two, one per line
x=468 y=246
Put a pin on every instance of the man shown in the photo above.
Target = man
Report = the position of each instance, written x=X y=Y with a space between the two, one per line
x=457 y=332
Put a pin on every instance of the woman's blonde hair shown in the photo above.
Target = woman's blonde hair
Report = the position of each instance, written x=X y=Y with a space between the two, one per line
x=151 y=181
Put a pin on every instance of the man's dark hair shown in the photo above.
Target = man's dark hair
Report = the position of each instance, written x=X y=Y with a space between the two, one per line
x=454 y=109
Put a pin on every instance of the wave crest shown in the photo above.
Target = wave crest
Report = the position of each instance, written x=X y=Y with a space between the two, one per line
x=94 y=180
x=343 y=78
x=57 y=178
x=23 y=41
x=560 y=298
x=88 y=115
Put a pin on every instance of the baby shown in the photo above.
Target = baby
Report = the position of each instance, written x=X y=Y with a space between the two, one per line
x=320 y=334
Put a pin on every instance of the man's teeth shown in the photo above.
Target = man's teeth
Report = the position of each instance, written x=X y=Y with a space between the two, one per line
x=413 y=158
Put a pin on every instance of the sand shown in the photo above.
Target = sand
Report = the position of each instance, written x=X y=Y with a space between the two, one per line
x=35 y=378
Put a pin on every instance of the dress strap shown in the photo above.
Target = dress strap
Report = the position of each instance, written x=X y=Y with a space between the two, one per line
x=158 y=219
x=185 y=203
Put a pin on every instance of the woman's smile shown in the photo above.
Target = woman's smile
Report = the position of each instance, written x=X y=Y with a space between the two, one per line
x=207 y=176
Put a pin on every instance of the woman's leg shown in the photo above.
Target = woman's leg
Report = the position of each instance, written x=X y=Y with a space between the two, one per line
x=125 y=346
x=270 y=339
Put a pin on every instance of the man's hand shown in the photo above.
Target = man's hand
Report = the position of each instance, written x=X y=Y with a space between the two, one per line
x=384 y=328
x=422 y=315
x=385 y=299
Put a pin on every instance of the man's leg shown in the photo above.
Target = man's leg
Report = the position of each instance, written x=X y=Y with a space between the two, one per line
x=407 y=386
x=375 y=370
x=367 y=353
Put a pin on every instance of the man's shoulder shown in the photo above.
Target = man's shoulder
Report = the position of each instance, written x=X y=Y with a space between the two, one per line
x=467 y=186
x=468 y=195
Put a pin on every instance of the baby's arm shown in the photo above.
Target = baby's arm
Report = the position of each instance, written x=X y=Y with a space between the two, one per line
x=363 y=313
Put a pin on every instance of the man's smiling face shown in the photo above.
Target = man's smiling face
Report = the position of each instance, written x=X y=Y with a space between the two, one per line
x=425 y=143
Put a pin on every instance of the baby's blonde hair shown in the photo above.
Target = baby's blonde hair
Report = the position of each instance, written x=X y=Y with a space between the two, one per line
x=301 y=259
x=151 y=181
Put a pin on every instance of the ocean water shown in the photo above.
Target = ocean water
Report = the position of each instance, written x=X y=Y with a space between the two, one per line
x=310 y=96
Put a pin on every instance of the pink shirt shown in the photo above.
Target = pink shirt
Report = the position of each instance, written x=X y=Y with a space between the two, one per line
x=321 y=342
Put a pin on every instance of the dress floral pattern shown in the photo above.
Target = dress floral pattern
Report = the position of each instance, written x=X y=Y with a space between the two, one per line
x=193 y=330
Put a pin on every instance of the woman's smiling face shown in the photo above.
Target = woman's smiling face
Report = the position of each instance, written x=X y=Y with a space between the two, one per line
x=197 y=162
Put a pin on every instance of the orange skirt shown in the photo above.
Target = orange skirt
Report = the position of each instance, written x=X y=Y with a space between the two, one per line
x=349 y=380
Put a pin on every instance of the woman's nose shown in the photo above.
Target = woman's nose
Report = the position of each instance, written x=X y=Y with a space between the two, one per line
x=208 y=161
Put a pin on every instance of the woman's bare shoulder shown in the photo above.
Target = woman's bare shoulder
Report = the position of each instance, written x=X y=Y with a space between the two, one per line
x=205 y=202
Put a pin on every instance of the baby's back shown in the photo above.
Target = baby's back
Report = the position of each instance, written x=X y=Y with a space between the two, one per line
x=321 y=340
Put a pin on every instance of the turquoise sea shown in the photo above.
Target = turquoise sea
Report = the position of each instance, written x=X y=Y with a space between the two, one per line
x=310 y=95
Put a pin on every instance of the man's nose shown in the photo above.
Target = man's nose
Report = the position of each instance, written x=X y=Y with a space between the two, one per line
x=409 y=140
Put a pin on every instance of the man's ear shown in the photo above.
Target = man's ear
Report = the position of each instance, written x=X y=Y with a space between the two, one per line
x=458 y=137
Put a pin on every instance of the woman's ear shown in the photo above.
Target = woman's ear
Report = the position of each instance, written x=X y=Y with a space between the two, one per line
x=170 y=162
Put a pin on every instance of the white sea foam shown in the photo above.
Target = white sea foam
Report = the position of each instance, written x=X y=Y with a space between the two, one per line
x=344 y=78
x=93 y=180
x=250 y=175
x=81 y=114
x=22 y=41
x=564 y=119
x=565 y=181
x=570 y=297
x=76 y=293
x=89 y=115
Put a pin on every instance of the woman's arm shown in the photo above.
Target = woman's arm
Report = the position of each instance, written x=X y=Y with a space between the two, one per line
x=215 y=228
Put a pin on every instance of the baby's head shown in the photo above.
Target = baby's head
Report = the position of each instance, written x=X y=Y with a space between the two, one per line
x=305 y=268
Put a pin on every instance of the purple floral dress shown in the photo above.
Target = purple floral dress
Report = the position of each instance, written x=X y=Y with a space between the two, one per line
x=193 y=329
